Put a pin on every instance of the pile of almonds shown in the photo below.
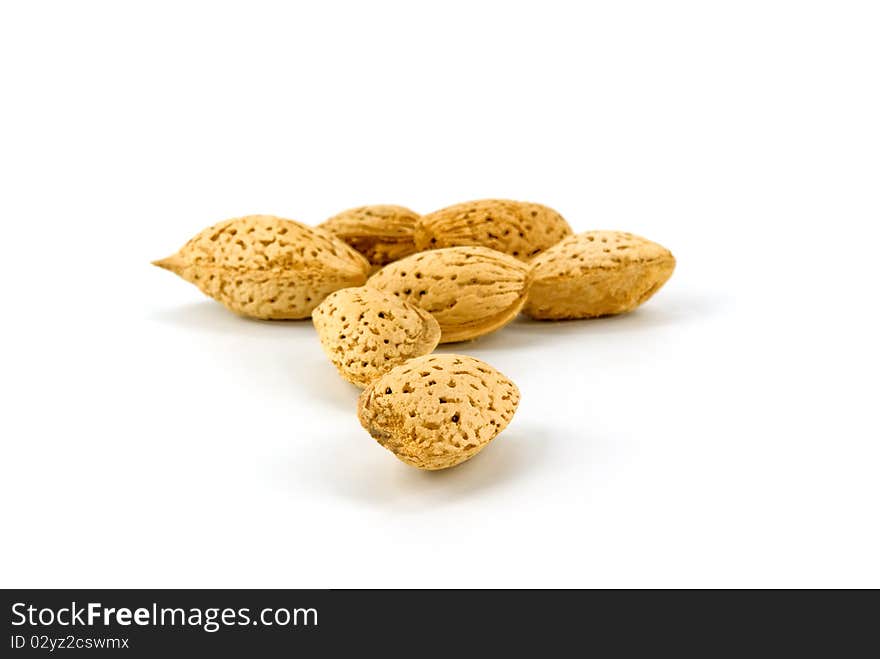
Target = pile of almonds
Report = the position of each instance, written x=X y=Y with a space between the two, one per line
x=384 y=286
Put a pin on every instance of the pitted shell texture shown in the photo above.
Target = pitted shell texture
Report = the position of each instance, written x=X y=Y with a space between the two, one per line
x=471 y=291
x=264 y=266
x=366 y=332
x=521 y=229
x=597 y=273
x=382 y=233
x=437 y=411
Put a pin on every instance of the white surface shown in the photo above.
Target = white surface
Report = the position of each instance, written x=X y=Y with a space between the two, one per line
x=724 y=435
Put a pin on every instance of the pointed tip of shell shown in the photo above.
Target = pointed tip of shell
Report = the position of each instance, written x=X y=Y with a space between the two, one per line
x=171 y=263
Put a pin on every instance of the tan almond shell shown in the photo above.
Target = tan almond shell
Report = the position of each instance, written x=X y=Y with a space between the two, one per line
x=264 y=266
x=471 y=291
x=382 y=233
x=597 y=273
x=366 y=332
x=521 y=229
x=437 y=411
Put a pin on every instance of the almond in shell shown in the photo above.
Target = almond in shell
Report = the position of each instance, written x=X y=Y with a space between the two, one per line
x=521 y=229
x=470 y=291
x=382 y=233
x=437 y=411
x=264 y=266
x=366 y=332
x=597 y=273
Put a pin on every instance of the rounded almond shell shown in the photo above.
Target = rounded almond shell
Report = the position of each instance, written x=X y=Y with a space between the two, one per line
x=520 y=229
x=365 y=332
x=382 y=233
x=470 y=291
x=597 y=273
x=437 y=411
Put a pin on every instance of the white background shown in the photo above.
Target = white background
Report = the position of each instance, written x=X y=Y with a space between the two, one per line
x=723 y=435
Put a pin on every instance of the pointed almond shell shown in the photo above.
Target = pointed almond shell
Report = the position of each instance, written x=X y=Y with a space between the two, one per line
x=264 y=266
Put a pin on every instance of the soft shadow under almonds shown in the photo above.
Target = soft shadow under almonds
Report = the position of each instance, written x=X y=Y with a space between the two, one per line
x=356 y=468
x=524 y=331
x=211 y=316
